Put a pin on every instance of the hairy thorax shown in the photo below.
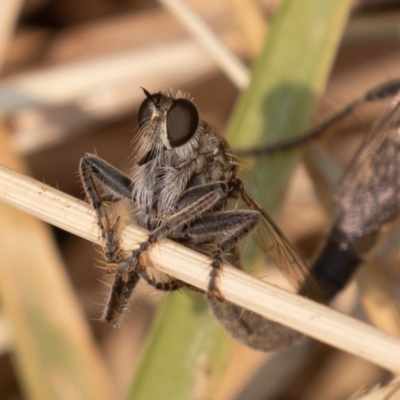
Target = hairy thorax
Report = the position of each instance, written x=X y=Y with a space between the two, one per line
x=166 y=174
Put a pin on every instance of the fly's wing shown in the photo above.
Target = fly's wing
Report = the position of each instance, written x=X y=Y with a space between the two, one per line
x=369 y=194
x=281 y=253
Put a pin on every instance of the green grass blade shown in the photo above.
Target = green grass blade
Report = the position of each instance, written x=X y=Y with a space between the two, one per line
x=185 y=342
x=286 y=83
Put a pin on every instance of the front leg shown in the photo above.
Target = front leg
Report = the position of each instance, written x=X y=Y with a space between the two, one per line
x=97 y=174
x=118 y=185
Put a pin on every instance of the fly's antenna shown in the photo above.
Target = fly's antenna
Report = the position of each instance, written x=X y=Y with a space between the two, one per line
x=151 y=97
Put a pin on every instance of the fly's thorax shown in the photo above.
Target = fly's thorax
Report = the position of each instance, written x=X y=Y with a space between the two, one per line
x=217 y=164
x=161 y=181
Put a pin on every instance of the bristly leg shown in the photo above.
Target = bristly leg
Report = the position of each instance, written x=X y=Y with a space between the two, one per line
x=120 y=187
x=92 y=167
x=121 y=291
x=111 y=246
x=225 y=229
x=170 y=285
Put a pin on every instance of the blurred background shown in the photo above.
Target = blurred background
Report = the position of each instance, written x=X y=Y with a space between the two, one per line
x=70 y=84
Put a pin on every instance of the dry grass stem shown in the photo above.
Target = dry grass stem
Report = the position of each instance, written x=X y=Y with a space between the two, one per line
x=308 y=317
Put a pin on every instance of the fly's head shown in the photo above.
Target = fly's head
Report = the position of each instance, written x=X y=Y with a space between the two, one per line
x=167 y=122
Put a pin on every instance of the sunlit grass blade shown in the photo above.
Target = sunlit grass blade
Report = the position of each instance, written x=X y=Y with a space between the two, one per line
x=286 y=83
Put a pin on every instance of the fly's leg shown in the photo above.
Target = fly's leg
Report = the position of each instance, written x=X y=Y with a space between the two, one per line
x=96 y=172
x=225 y=229
x=117 y=182
x=225 y=245
x=169 y=286
x=121 y=291
x=120 y=186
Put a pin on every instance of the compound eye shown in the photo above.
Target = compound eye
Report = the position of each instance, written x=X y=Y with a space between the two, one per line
x=182 y=122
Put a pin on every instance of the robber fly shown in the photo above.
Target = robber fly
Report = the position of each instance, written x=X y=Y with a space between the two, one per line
x=184 y=187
